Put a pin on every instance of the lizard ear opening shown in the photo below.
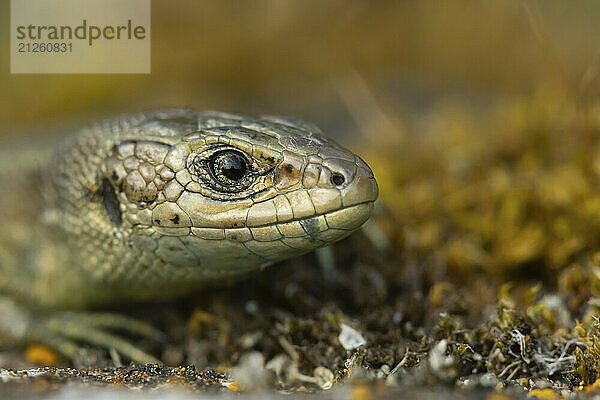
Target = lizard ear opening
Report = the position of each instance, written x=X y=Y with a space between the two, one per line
x=110 y=202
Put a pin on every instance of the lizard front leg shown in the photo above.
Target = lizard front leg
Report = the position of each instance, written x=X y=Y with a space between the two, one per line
x=66 y=331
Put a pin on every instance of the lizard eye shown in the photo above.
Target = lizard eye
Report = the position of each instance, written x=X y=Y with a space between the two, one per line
x=226 y=170
x=228 y=167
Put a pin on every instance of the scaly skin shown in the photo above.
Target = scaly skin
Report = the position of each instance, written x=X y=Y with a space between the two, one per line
x=137 y=208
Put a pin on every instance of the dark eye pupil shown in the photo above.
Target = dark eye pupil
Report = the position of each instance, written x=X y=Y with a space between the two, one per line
x=232 y=166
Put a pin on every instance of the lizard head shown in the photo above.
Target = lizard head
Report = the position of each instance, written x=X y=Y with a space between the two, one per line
x=208 y=195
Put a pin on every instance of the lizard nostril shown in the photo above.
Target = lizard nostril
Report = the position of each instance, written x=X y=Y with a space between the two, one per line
x=337 y=179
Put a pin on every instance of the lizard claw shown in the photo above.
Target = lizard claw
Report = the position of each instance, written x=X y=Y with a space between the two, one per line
x=65 y=330
x=69 y=326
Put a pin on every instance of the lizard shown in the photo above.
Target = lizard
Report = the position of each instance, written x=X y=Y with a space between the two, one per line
x=156 y=205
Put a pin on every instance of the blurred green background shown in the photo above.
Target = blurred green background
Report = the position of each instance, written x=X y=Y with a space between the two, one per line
x=305 y=57
x=480 y=118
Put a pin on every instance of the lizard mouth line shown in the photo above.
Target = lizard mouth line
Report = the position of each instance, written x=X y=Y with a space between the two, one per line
x=316 y=215
x=276 y=223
